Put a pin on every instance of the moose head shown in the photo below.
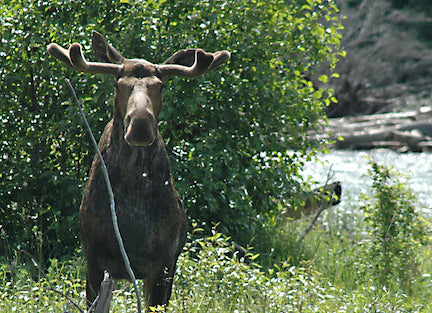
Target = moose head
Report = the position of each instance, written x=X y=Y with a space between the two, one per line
x=139 y=83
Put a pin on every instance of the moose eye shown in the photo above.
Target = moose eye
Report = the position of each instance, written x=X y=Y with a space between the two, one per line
x=157 y=85
x=161 y=84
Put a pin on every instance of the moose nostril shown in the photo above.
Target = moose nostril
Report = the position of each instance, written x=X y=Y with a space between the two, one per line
x=140 y=131
x=127 y=121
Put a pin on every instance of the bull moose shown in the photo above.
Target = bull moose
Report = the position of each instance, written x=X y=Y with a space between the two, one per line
x=150 y=215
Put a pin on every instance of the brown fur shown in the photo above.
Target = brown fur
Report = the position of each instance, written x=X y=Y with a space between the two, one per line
x=151 y=219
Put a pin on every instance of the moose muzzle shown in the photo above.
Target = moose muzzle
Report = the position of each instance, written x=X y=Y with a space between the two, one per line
x=140 y=127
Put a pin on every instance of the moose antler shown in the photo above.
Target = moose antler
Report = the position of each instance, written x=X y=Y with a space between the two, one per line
x=74 y=58
x=193 y=62
x=202 y=61
x=185 y=63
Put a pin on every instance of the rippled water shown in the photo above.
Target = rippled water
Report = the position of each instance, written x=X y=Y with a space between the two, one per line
x=350 y=168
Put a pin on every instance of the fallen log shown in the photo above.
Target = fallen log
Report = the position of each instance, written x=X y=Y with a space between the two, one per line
x=379 y=121
x=388 y=138
x=404 y=131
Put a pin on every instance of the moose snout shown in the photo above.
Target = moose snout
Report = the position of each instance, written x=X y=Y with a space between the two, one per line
x=140 y=128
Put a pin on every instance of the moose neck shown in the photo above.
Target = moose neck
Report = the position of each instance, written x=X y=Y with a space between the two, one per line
x=147 y=167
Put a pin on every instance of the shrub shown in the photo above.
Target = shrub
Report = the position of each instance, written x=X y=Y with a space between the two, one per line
x=227 y=133
x=395 y=230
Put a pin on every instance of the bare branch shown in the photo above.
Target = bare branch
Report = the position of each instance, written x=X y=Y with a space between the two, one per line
x=112 y=203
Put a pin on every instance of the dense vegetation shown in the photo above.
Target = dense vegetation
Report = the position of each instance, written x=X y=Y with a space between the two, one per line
x=227 y=133
x=237 y=141
x=377 y=263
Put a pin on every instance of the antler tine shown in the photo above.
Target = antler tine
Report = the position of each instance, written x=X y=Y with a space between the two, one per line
x=202 y=62
x=59 y=53
x=220 y=57
x=80 y=63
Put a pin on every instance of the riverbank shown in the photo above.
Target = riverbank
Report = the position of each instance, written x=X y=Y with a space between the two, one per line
x=351 y=167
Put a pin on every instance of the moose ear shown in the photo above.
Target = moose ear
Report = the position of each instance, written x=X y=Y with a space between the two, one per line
x=187 y=58
x=104 y=51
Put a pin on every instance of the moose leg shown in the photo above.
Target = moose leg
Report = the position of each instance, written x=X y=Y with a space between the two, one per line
x=157 y=289
x=94 y=276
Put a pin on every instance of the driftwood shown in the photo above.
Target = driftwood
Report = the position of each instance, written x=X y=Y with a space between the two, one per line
x=319 y=199
x=404 y=131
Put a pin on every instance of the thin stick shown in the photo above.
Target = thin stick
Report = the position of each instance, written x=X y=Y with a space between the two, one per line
x=111 y=195
x=321 y=208
x=312 y=224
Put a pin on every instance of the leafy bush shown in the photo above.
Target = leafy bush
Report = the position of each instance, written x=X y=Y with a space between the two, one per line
x=19 y=292
x=395 y=229
x=227 y=133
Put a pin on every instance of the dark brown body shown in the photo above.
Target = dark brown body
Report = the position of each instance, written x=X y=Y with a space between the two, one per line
x=151 y=219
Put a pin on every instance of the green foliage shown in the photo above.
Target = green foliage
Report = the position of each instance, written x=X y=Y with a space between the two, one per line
x=339 y=276
x=223 y=284
x=20 y=293
x=43 y=152
x=209 y=281
x=395 y=230
x=227 y=133
x=231 y=160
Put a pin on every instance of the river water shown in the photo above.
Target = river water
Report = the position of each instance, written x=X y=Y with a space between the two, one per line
x=351 y=167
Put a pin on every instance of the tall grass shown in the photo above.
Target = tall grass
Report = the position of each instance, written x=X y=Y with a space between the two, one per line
x=333 y=270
